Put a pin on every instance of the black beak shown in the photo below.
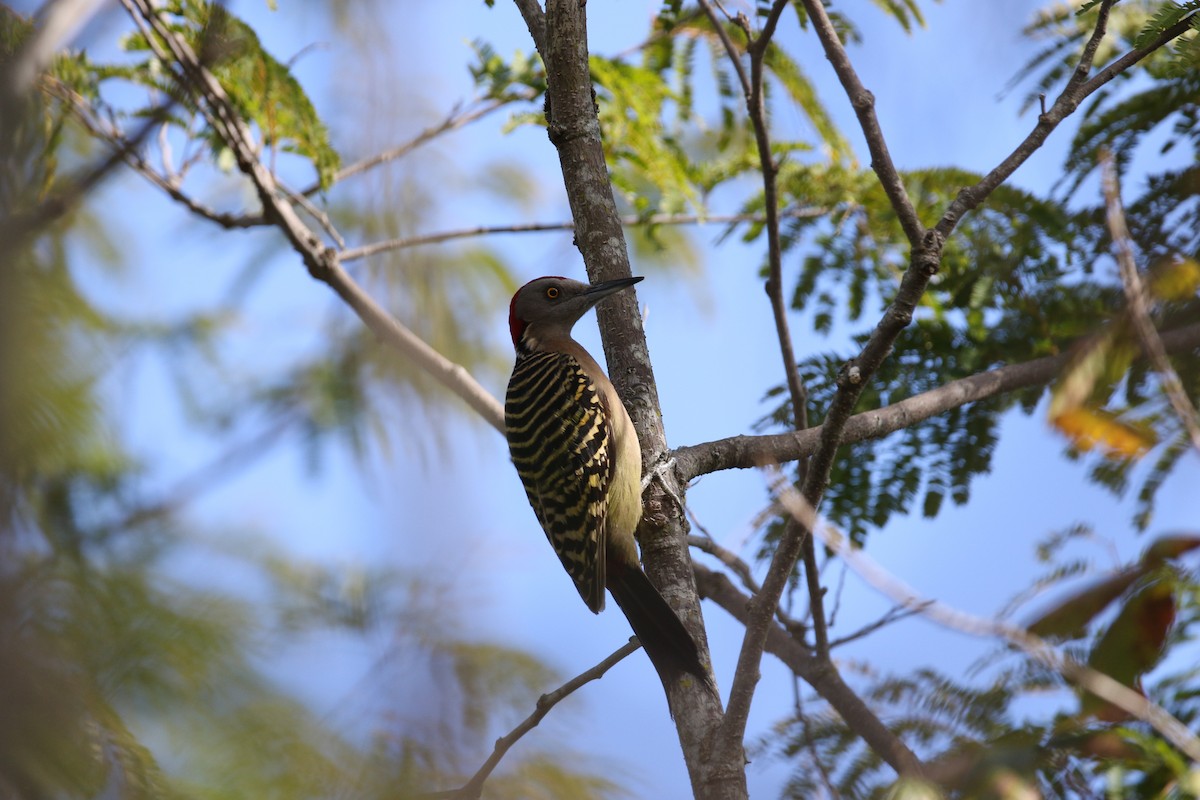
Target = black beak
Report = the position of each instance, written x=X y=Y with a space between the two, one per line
x=598 y=291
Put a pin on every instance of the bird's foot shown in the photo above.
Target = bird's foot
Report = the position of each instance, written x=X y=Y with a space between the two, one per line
x=659 y=471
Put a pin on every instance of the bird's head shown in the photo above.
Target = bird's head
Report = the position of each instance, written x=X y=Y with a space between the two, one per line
x=550 y=306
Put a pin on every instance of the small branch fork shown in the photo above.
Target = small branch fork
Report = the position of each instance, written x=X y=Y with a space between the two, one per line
x=1139 y=304
x=474 y=787
x=1036 y=648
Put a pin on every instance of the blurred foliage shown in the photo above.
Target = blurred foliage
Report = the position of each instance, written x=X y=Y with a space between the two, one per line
x=124 y=672
x=261 y=89
x=976 y=740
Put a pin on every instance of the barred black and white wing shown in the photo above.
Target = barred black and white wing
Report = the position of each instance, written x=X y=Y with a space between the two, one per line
x=560 y=437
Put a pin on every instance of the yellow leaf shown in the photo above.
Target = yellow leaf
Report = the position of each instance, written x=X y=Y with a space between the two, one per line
x=1175 y=280
x=1088 y=428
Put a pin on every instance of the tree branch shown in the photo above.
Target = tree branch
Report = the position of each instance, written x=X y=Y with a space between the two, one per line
x=744 y=452
x=818 y=674
x=474 y=787
x=745 y=678
x=457 y=118
x=1075 y=92
x=535 y=21
x=322 y=262
x=1139 y=306
x=1036 y=648
x=365 y=251
x=574 y=130
x=863 y=103
x=85 y=115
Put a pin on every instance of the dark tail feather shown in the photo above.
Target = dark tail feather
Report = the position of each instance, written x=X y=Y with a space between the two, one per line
x=669 y=645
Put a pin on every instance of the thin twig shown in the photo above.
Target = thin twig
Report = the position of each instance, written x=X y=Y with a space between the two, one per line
x=365 y=251
x=1072 y=95
x=859 y=717
x=457 y=118
x=728 y=558
x=168 y=181
x=747 y=452
x=474 y=787
x=1139 y=306
x=863 y=103
x=893 y=614
x=316 y=213
x=795 y=627
x=1036 y=648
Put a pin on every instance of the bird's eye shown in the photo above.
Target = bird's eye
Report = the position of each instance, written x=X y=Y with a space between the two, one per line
x=552 y=293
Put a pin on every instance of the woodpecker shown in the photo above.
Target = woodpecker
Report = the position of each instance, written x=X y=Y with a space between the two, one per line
x=578 y=456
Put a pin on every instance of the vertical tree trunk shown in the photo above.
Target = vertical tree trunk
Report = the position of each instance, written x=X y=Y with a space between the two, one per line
x=575 y=131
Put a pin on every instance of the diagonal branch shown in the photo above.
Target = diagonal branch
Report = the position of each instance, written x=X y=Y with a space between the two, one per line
x=321 y=261
x=1035 y=647
x=1076 y=91
x=456 y=119
x=474 y=787
x=1139 y=306
x=745 y=452
x=110 y=133
x=365 y=251
x=817 y=673
x=535 y=21
x=745 y=678
x=863 y=103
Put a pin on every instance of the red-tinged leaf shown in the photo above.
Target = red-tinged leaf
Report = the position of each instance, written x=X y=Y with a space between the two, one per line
x=1106 y=744
x=1088 y=428
x=1170 y=546
x=1069 y=618
x=1133 y=643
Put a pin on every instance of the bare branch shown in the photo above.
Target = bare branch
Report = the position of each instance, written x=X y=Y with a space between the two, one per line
x=863 y=103
x=321 y=261
x=893 y=614
x=1036 y=648
x=535 y=21
x=817 y=673
x=457 y=118
x=744 y=452
x=1139 y=305
x=474 y=787
x=169 y=183
x=727 y=557
x=1075 y=92
x=795 y=628
x=365 y=251
x=745 y=678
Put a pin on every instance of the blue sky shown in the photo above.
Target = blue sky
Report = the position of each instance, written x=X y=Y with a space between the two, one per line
x=463 y=517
